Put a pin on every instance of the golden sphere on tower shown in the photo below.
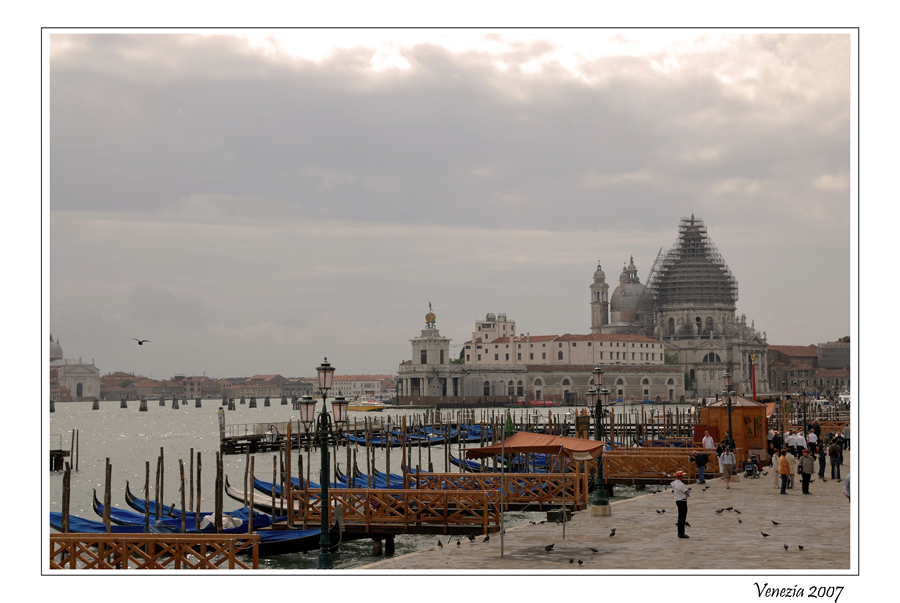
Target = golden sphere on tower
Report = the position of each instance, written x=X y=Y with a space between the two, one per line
x=430 y=317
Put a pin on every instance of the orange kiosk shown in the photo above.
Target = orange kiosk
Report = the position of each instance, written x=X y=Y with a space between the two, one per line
x=748 y=418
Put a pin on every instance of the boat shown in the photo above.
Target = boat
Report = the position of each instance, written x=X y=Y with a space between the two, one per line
x=366 y=405
x=79 y=525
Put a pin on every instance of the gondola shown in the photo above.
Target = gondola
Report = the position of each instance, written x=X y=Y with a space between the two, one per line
x=126 y=517
x=79 y=525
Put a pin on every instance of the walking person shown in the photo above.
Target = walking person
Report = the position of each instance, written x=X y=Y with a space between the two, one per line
x=812 y=440
x=784 y=469
x=839 y=440
x=846 y=437
x=807 y=466
x=775 y=460
x=846 y=488
x=834 y=453
x=792 y=461
x=821 y=453
x=681 y=495
x=727 y=463
x=700 y=459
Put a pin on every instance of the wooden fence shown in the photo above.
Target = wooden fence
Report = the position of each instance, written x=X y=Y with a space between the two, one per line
x=152 y=551
x=652 y=465
x=521 y=488
x=407 y=507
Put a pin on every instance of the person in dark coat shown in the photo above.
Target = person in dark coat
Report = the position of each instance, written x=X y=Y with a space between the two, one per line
x=807 y=467
x=834 y=453
x=821 y=453
x=700 y=459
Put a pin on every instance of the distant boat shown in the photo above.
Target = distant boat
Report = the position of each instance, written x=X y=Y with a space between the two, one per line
x=542 y=403
x=366 y=405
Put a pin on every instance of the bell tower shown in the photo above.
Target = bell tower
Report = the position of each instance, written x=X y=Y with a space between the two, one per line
x=599 y=301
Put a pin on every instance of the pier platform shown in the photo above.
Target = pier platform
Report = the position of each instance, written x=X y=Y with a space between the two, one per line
x=647 y=540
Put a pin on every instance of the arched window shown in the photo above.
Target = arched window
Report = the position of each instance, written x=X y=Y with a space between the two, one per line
x=487 y=388
x=645 y=381
x=670 y=382
x=712 y=357
x=559 y=355
x=538 y=383
x=79 y=390
x=709 y=324
x=509 y=389
x=520 y=389
x=692 y=375
x=424 y=357
x=671 y=326
x=565 y=383
x=699 y=324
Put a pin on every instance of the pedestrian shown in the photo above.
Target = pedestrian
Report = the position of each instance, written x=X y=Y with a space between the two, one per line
x=847 y=488
x=784 y=469
x=817 y=429
x=821 y=453
x=777 y=441
x=700 y=459
x=812 y=440
x=708 y=442
x=792 y=461
x=839 y=440
x=807 y=467
x=847 y=437
x=775 y=462
x=727 y=463
x=834 y=453
x=681 y=495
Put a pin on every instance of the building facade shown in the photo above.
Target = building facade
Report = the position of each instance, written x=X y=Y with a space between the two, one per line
x=82 y=380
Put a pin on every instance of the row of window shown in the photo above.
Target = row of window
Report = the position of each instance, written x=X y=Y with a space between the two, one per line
x=559 y=356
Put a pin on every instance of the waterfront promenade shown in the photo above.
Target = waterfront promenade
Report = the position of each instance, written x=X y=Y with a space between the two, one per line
x=647 y=540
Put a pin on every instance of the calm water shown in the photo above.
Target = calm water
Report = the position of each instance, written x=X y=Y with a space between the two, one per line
x=130 y=439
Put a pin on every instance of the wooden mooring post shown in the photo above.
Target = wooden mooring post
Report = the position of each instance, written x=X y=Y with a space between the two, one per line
x=143 y=406
x=174 y=402
x=52 y=406
x=123 y=403
x=197 y=403
x=96 y=405
x=252 y=402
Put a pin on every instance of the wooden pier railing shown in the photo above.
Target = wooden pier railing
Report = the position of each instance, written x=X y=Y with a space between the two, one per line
x=520 y=488
x=654 y=465
x=153 y=551
x=407 y=507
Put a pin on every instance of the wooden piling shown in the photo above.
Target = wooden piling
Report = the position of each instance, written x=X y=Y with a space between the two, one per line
x=174 y=402
x=266 y=401
x=250 y=525
x=143 y=406
x=66 y=496
x=252 y=402
x=199 y=465
x=191 y=505
x=123 y=403
x=184 y=509
x=219 y=493
x=107 y=495
x=197 y=403
x=162 y=400
x=147 y=497
x=96 y=405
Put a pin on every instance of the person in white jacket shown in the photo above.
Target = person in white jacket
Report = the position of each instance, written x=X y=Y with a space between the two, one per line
x=793 y=462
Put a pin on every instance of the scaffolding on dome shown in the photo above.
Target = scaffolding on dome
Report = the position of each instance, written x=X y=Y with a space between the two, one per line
x=692 y=271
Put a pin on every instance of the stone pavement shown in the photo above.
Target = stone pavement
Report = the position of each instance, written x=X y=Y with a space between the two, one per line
x=645 y=539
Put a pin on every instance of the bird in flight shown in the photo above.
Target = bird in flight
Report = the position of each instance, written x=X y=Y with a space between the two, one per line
x=142 y=341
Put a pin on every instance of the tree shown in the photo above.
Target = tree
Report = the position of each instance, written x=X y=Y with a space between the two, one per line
x=126 y=383
x=688 y=382
x=670 y=357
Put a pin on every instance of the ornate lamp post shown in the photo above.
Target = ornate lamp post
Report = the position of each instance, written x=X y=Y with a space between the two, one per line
x=599 y=504
x=325 y=430
x=729 y=405
x=804 y=401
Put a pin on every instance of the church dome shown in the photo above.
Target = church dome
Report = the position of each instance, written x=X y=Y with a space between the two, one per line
x=693 y=272
x=56 y=352
x=599 y=275
x=628 y=295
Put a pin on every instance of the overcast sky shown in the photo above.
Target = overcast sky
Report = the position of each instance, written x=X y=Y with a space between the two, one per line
x=253 y=203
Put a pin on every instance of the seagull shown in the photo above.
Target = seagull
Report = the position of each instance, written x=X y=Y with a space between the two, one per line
x=764 y=534
x=775 y=523
x=613 y=533
x=142 y=341
x=549 y=547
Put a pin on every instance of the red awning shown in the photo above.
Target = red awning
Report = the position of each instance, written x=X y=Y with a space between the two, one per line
x=541 y=443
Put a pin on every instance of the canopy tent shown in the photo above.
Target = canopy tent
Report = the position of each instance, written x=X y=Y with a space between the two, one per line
x=541 y=443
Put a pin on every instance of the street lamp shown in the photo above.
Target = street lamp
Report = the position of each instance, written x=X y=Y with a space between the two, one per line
x=325 y=430
x=804 y=401
x=729 y=405
x=599 y=503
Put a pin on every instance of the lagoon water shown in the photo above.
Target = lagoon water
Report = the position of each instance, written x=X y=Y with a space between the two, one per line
x=130 y=439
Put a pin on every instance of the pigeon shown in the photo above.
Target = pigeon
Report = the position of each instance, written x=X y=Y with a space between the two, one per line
x=542 y=522
x=740 y=520
x=719 y=512
x=800 y=546
x=572 y=560
x=729 y=508
x=440 y=546
x=765 y=473
x=549 y=547
x=593 y=550
x=613 y=533
x=486 y=538
x=775 y=523
x=458 y=543
x=785 y=547
x=663 y=510
x=764 y=534
x=580 y=562
x=658 y=511
x=142 y=341
x=532 y=523
x=736 y=511
x=471 y=538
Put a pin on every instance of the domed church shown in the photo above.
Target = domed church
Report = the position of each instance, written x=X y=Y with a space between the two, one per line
x=82 y=380
x=690 y=304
